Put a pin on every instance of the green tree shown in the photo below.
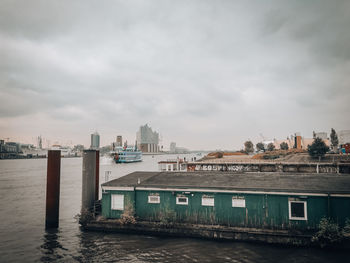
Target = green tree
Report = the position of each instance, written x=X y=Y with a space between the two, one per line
x=248 y=147
x=284 y=146
x=270 y=147
x=260 y=147
x=334 y=138
x=219 y=155
x=318 y=148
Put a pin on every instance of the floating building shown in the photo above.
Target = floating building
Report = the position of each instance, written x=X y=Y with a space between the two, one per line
x=147 y=140
x=226 y=205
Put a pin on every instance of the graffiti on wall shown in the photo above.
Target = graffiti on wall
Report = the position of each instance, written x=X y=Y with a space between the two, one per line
x=222 y=167
x=245 y=167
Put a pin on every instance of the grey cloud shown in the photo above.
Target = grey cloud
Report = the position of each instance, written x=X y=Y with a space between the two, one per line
x=173 y=63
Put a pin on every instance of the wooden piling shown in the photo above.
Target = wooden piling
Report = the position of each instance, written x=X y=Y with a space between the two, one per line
x=88 y=181
x=97 y=174
x=53 y=188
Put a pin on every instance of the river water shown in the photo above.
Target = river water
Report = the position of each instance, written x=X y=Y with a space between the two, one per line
x=23 y=237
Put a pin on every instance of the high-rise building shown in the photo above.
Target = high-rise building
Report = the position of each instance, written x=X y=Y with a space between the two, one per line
x=40 y=142
x=119 y=140
x=147 y=140
x=95 y=141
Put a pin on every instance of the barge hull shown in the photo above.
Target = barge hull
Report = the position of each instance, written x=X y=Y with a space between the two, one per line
x=216 y=232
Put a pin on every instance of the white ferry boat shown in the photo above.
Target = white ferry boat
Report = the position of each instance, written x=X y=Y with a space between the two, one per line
x=128 y=154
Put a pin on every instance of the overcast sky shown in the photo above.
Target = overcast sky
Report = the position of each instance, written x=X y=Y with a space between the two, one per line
x=205 y=74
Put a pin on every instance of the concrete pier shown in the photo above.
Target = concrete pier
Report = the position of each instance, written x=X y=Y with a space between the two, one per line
x=53 y=189
x=88 y=181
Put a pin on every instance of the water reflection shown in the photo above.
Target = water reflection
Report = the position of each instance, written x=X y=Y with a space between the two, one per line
x=51 y=247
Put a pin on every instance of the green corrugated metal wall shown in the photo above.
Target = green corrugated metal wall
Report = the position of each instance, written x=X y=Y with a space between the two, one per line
x=261 y=211
x=129 y=203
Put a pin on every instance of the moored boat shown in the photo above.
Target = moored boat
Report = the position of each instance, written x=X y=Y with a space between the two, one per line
x=126 y=155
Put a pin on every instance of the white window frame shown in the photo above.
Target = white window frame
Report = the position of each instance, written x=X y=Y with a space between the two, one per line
x=154 y=201
x=208 y=201
x=181 y=203
x=238 y=202
x=290 y=210
x=114 y=205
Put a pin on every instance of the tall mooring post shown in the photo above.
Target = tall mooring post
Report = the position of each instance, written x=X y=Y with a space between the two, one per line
x=97 y=184
x=88 y=182
x=53 y=188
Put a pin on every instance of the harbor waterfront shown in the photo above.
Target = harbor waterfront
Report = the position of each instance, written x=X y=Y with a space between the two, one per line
x=24 y=239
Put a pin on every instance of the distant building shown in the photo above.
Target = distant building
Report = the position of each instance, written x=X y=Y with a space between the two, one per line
x=147 y=140
x=9 y=150
x=2 y=145
x=12 y=147
x=173 y=147
x=322 y=135
x=119 y=140
x=95 y=141
x=2 y=149
x=78 y=149
x=266 y=143
x=299 y=142
x=65 y=150
x=288 y=141
x=308 y=141
x=40 y=142
x=344 y=137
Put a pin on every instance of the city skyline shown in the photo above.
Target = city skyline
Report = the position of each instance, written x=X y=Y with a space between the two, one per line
x=204 y=74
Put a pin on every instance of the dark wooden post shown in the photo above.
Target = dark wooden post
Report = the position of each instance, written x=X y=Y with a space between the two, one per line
x=88 y=181
x=53 y=188
x=97 y=174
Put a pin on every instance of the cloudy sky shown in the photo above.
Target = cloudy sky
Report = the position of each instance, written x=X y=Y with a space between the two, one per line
x=205 y=74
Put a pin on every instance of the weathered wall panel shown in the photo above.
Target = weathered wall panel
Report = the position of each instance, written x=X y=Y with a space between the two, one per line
x=260 y=211
x=129 y=204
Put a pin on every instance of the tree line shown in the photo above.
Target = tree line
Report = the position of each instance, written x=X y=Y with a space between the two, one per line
x=317 y=149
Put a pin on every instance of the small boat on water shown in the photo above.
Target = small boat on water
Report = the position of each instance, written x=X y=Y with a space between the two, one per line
x=125 y=154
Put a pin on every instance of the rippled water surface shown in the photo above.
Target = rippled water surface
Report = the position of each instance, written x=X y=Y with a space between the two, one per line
x=23 y=237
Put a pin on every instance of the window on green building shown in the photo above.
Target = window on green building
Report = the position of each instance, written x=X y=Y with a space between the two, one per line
x=207 y=200
x=117 y=202
x=182 y=200
x=153 y=199
x=297 y=210
x=238 y=202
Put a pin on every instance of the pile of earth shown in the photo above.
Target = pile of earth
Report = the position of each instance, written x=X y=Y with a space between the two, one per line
x=268 y=155
x=213 y=155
